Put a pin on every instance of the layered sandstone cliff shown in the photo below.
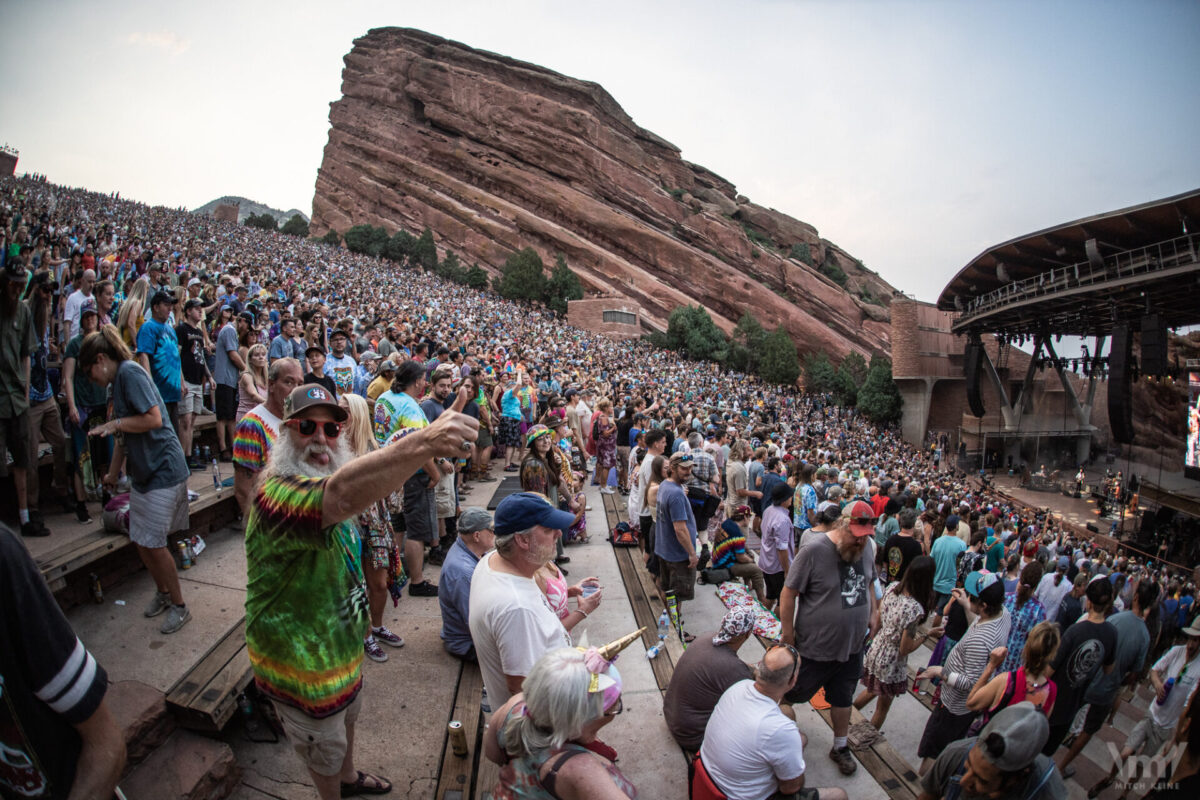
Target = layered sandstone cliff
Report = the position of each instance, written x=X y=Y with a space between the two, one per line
x=495 y=155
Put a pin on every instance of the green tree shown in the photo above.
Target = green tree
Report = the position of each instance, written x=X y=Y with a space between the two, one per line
x=563 y=285
x=856 y=366
x=832 y=269
x=296 y=226
x=819 y=374
x=523 y=276
x=845 y=390
x=331 y=237
x=879 y=398
x=476 y=278
x=366 y=239
x=745 y=345
x=691 y=330
x=451 y=268
x=400 y=247
x=779 y=362
x=424 y=252
x=264 y=221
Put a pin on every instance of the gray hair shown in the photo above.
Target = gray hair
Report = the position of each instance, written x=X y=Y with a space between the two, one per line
x=777 y=678
x=833 y=493
x=504 y=544
x=907 y=518
x=695 y=439
x=277 y=366
x=558 y=704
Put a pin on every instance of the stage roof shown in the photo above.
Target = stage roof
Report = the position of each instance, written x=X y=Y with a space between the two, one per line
x=1145 y=254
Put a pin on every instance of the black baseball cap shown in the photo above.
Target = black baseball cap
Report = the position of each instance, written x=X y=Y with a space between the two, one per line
x=247 y=317
x=162 y=297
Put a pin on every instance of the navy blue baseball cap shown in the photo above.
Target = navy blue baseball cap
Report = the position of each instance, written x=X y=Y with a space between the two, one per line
x=520 y=512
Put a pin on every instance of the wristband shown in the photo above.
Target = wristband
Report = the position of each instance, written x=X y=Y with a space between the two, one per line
x=581 y=611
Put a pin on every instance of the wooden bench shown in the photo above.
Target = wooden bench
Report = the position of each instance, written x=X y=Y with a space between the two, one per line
x=205 y=698
x=456 y=778
x=205 y=515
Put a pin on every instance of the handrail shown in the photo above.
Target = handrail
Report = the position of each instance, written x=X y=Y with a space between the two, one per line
x=1143 y=260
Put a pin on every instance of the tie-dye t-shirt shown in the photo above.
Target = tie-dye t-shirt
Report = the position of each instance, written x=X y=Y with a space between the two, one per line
x=253 y=438
x=306 y=605
x=396 y=412
x=341 y=369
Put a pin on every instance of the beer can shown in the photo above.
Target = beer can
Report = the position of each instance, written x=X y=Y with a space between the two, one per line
x=458 y=738
x=97 y=590
x=184 y=561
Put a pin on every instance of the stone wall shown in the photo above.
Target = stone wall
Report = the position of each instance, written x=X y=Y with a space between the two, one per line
x=589 y=315
x=8 y=164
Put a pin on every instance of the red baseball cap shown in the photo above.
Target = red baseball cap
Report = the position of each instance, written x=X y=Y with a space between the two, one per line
x=862 y=518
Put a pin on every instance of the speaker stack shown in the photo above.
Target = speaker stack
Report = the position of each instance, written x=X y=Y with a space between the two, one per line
x=1120 y=385
x=1154 y=346
x=973 y=364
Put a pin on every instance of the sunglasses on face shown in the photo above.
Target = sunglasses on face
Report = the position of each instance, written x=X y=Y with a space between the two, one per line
x=308 y=427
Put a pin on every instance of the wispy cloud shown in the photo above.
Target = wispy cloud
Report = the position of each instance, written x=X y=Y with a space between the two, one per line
x=168 y=41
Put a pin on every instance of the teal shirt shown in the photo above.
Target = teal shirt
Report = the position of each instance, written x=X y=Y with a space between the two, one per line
x=945 y=552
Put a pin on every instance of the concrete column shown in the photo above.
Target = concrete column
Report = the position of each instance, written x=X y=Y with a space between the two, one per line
x=914 y=419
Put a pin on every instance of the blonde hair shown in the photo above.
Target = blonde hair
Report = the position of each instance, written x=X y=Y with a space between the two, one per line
x=1041 y=646
x=137 y=294
x=362 y=435
x=260 y=375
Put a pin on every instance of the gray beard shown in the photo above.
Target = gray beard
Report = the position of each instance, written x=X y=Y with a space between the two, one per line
x=287 y=458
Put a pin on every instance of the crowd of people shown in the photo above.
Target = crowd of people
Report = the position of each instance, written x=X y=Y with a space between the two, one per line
x=357 y=400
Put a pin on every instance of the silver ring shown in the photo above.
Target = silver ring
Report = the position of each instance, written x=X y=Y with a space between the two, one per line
x=465 y=446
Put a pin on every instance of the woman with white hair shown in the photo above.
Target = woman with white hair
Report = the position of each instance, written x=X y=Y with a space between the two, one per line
x=540 y=736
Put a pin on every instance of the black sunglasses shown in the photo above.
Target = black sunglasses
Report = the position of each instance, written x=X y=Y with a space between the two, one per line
x=308 y=427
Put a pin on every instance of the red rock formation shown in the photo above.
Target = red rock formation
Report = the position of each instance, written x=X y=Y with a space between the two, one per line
x=494 y=155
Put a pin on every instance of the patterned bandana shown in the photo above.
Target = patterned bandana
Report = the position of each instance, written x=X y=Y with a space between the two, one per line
x=738 y=620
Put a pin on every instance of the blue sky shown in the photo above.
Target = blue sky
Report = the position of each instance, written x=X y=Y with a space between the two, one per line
x=913 y=134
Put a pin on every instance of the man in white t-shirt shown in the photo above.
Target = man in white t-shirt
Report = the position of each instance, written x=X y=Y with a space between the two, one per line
x=1053 y=588
x=1181 y=667
x=751 y=750
x=511 y=621
x=75 y=300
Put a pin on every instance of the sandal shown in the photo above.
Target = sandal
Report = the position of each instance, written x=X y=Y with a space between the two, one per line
x=380 y=785
x=687 y=638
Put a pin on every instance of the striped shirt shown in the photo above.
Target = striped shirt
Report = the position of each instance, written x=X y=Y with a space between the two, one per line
x=969 y=658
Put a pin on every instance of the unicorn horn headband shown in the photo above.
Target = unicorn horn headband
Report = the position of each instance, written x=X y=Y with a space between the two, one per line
x=610 y=650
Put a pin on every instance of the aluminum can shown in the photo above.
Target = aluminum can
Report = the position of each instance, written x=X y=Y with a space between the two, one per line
x=458 y=738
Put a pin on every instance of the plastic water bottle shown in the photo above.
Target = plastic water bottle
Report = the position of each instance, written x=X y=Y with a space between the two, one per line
x=664 y=625
x=1170 y=683
x=652 y=652
x=216 y=473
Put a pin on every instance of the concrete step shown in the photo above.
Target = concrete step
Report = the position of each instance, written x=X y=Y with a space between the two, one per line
x=186 y=767
x=141 y=712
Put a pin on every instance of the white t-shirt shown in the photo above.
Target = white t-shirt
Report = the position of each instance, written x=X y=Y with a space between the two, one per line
x=749 y=745
x=1174 y=664
x=71 y=312
x=1050 y=596
x=512 y=626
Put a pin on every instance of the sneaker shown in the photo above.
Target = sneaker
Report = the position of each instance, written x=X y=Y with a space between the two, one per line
x=81 y=512
x=158 y=604
x=32 y=528
x=485 y=479
x=177 y=617
x=387 y=637
x=436 y=556
x=844 y=760
x=423 y=589
x=373 y=650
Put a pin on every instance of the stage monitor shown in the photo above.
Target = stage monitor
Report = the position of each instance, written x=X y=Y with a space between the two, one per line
x=1191 y=458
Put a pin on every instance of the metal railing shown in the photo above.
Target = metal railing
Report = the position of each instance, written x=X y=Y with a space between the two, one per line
x=1139 y=261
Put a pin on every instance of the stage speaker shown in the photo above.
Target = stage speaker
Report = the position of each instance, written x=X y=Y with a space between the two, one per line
x=1120 y=385
x=1091 y=526
x=973 y=362
x=1154 y=346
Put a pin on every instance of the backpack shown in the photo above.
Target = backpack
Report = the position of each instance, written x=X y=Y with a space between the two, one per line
x=624 y=536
